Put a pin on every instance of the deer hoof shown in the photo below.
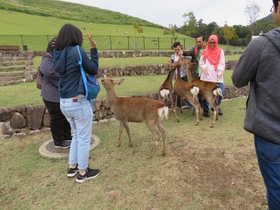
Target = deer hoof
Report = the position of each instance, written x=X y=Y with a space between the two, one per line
x=118 y=145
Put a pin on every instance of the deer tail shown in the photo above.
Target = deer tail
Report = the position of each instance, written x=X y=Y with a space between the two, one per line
x=163 y=112
x=194 y=92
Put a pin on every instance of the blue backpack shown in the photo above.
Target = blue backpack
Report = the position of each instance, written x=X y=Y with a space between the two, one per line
x=91 y=84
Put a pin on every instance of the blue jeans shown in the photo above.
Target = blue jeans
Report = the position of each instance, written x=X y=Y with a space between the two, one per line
x=79 y=114
x=268 y=155
x=205 y=104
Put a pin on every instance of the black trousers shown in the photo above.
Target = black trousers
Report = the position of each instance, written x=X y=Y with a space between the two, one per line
x=60 y=127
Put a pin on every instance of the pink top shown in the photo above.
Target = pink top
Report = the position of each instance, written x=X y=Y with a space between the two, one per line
x=208 y=72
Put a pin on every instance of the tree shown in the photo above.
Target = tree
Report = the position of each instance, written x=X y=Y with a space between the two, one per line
x=229 y=33
x=252 y=11
x=139 y=29
x=190 y=23
x=171 y=30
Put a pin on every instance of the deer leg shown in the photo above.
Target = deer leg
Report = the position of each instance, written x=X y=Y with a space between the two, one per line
x=120 y=134
x=162 y=131
x=196 y=107
x=122 y=126
x=181 y=104
x=215 y=108
x=172 y=106
x=153 y=129
x=126 y=125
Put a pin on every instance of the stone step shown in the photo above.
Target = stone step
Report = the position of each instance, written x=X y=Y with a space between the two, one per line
x=11 y=74
x=11 y=82
x=13 y=63
x=12 y=68
x=18 y=77
x=11 y=58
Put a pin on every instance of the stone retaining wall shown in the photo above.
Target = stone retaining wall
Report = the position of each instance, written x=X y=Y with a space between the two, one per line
x=24 y=120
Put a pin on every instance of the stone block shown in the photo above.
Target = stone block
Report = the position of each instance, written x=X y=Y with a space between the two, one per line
x=17 y=121
x=34 y=116
x=5 y=114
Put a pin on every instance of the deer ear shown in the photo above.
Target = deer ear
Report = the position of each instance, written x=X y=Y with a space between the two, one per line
x=118 y=82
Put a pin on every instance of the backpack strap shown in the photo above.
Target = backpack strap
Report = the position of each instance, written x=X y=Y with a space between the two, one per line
x=79 y=63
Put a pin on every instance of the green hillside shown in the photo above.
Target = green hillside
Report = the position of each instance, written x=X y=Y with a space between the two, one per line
x=17 y=23
x=71 y=11
x=32 y=23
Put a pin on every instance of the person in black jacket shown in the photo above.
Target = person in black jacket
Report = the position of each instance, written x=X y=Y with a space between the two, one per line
x=195 y=53
x=60 y=127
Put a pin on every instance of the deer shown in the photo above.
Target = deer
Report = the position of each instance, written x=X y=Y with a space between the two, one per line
x=208 y=91
x=150 y=111
x=186 y=90
x=165 y=90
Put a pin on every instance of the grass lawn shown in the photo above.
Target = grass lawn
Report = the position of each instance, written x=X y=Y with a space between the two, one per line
x=205 y=168
x=27 y=93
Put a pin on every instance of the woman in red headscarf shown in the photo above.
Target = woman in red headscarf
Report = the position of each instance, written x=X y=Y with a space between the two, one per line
x=212 y=66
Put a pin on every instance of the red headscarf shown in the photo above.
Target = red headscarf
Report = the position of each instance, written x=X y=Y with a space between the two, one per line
x=213 y=55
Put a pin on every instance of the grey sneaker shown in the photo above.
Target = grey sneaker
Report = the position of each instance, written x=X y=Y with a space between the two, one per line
x=71 y=172
x=90 y=174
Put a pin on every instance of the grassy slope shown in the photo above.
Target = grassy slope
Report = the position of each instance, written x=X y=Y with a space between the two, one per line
x=17 y=23
x=71 y=11
x=44 y=28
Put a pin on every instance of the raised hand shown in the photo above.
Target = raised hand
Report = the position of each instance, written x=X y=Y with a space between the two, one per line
x=91 y=41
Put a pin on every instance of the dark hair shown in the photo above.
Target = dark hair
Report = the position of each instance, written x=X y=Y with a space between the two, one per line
x=201 y=37
x=69 y=35
x=50 y=47
x=275 y=3
x=176 y=44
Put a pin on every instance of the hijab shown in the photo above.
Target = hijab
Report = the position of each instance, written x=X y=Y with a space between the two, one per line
x=212 y=55
x=50 y=48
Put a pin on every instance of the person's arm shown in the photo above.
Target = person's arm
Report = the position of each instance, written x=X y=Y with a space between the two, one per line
x=91 y=65
x=246 y=67
x=222 y=64
x=189 y=53
x=47 y=69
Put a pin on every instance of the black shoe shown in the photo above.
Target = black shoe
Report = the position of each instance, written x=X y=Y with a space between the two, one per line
x=206 y=113
x=71 y=172
x=63 y=145
x=90 y=174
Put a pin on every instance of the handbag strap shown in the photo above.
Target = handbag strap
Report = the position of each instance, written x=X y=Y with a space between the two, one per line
x=82 y=69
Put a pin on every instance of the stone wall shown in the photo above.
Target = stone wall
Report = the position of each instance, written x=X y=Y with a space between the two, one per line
x=24 y=120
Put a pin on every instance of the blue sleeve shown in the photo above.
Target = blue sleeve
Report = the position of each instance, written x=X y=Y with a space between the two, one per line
x=90 y=65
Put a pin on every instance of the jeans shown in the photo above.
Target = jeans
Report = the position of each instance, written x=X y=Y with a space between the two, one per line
x=268 y=154
x=60 y=127
x=205 y=104
x=80 y=115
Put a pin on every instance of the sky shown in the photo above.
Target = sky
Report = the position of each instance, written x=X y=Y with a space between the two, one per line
x=171 y=12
